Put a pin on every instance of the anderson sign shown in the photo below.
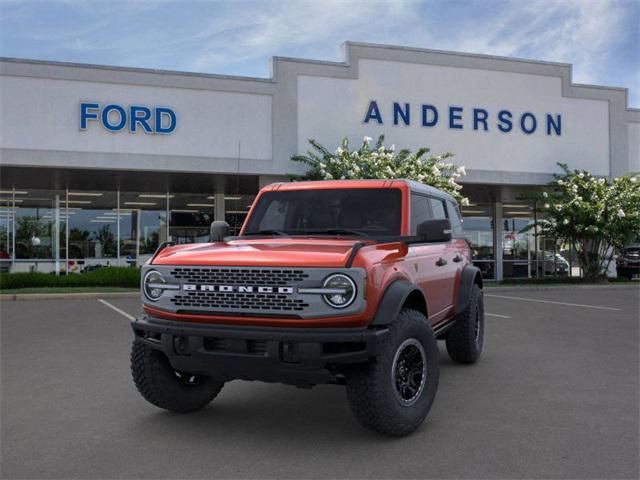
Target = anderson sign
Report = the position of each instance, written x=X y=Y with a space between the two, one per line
x=460 y=118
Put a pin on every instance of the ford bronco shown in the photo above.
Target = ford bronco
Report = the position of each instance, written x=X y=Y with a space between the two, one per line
x=343 y=282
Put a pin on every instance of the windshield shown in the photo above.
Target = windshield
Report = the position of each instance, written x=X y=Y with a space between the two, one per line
x=359 y=212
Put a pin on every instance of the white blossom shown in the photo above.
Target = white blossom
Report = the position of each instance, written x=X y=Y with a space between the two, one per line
x=621 y=213
x=367 y=139
x=545 y=195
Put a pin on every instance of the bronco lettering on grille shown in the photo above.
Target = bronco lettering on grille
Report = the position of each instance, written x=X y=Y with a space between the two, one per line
x=188 y=287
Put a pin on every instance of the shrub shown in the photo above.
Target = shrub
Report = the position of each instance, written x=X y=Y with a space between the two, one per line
x=124 y=277
x=595 y=215
x=380 y=162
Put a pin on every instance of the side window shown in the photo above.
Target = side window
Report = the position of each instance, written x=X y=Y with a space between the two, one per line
x=456 y=221
x=419 y=211
x=437 y=206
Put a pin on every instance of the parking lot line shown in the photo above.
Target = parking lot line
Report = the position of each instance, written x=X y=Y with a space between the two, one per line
x=116 y=309
x=553 y=302
x=496 y=315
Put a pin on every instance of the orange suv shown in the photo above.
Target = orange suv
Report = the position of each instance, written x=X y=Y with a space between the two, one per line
x=343 y=282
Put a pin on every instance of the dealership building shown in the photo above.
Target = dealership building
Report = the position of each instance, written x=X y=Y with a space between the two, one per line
x=100 y=164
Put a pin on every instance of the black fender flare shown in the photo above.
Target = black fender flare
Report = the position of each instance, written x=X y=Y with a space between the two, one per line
x=394 y=297
x=470 y=276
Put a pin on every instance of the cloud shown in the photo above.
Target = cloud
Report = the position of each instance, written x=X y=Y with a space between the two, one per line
x=599 y=37
x=273 y=27
x=573 y=31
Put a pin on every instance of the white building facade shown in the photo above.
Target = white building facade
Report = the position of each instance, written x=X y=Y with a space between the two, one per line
x=100 y=164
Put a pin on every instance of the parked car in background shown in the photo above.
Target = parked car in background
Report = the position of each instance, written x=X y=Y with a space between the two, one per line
x=628 y=263
x=5 y=261
x=554 y=264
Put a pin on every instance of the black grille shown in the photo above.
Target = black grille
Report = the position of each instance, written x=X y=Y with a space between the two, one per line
x=254 y=347
x=239 y=276
x=239 y=301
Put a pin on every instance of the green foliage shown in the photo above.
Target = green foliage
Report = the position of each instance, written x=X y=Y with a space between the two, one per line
x=595 y=215
x=28 y=227
x=125 y=277
x=381 y=162
x=106 y=238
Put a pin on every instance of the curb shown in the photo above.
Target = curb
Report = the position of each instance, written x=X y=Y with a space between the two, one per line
x=66 y=296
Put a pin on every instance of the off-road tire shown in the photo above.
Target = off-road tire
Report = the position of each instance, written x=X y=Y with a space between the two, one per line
x=464 y=342
x=371 y=389
x=162 y=386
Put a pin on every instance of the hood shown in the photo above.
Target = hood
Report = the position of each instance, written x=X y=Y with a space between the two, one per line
x=271 y=252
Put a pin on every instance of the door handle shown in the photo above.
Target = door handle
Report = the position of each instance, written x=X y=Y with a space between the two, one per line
x=441 y=262
x=457 y=258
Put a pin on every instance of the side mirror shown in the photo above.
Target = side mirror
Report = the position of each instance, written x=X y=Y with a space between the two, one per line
x=435 y=230
x=219 y=230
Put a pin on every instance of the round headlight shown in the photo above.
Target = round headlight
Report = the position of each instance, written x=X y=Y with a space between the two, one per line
x=150 y=285
x=342 y=290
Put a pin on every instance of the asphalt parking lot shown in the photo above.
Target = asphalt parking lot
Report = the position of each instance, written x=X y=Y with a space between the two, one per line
x=555 y=395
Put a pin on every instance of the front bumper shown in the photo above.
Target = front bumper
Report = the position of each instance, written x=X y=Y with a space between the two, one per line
x=296 y=356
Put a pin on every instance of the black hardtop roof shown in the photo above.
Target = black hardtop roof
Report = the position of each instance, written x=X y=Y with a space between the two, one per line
x=413 y=185
x=428 y=190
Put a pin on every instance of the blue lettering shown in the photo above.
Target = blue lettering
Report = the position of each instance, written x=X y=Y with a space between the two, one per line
x=162 y=112
x=399 y=112
x=455 y=113
x=139 y=115
x=480 y=115
x=504 y=117
x=557 y=125
x=523 y=123
x=85 y=114
x=373 y=112
x=105 y=118
x=425 y=116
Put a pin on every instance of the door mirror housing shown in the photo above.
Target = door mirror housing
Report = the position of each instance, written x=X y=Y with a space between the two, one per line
x=436 y=231
x=219 y=230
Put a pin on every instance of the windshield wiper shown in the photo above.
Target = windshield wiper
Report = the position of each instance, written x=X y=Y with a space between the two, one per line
x=336 y=231
x=267 y=232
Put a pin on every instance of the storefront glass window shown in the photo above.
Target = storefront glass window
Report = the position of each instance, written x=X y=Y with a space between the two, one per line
x=75 y=230
x=39 y=223
x=143 y=224
x=478 y=224
x=236 y=209
x=518 y=240
x=6 y=229
x=191 y=217
x=93 y=235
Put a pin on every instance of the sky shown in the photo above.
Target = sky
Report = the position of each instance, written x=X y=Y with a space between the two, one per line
x=601 y=38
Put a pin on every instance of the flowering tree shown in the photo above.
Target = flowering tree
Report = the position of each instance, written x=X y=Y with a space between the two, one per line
x=592 y=214
x=378 y=161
